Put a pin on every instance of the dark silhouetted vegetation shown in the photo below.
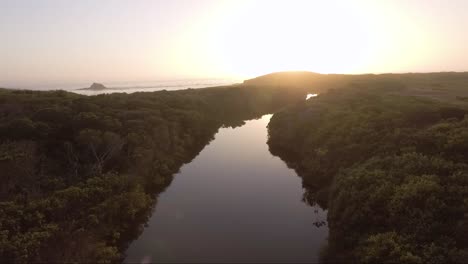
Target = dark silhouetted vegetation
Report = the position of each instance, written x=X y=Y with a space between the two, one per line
x=79 y=175
x=440 y=86
x=391 y=169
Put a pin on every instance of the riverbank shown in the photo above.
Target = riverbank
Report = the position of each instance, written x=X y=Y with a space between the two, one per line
x=390 y=168
x=229 y=205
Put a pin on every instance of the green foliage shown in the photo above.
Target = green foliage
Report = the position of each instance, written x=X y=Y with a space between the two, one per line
x=394 y=167
x=79 y=175
x=387 y=248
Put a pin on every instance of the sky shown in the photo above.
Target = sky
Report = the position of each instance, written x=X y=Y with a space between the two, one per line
x=66 y=41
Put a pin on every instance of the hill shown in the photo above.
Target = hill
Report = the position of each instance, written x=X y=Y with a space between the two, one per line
x=95 y=87
x=442 y=86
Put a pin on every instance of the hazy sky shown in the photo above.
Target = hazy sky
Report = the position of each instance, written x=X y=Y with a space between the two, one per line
x=64 y=41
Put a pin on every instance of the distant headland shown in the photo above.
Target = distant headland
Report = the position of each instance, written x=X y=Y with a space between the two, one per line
x=95 y=87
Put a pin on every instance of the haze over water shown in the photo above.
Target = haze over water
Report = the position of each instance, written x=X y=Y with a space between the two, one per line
x=169 y=85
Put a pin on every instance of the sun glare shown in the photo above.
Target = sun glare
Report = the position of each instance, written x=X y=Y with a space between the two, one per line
x=250 y=38
x=301 y=36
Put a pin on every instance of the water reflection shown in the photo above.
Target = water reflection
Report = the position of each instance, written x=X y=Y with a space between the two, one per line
x=235 y=202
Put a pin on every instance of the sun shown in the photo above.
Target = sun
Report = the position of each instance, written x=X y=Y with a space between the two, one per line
x=245 y=39
x=299 y=35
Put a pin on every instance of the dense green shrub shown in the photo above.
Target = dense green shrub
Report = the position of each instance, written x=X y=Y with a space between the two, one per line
x=392 y=170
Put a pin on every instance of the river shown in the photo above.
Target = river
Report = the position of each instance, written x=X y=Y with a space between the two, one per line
x=235 y=202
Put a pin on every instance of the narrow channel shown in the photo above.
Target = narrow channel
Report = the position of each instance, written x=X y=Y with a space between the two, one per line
x=235 y=202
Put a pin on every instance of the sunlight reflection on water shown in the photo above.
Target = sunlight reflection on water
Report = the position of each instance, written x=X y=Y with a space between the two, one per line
x=235 y=202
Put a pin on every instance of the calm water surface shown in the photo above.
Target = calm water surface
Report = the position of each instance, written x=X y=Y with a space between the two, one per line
x=169 y=85
x=235 y=202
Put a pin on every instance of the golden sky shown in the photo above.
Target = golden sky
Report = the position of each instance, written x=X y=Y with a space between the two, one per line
x=64 y=41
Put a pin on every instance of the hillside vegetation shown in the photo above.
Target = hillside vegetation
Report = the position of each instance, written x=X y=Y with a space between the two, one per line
x=444 y=86
x=391 y=168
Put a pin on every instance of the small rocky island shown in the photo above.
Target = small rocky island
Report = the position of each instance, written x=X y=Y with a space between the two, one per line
x=95 y=87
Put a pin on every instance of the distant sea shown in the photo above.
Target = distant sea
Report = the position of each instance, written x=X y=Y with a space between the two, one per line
x=168 y=85
x=132 y=87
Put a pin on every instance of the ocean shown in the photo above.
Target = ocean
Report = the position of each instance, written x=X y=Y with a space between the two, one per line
x=132 y=87
x=168 y=85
